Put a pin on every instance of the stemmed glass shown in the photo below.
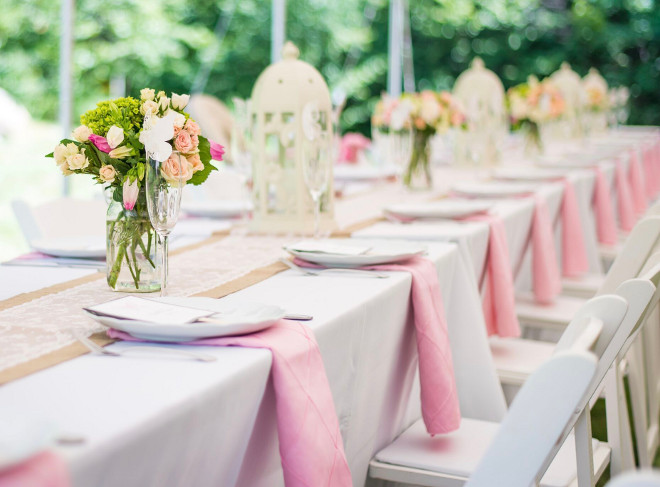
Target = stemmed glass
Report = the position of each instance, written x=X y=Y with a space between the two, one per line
x=400 y=148
x=241 y=149
x=317 y=161
x=164 y=186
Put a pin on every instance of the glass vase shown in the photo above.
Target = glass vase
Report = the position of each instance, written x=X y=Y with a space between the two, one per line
x=417 y=175
x=532 y=140
x=131 y=241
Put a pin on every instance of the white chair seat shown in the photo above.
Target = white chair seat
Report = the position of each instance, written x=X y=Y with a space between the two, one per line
x=556 y=315
x=582 y=287
x=517 y=358
x=448 y=460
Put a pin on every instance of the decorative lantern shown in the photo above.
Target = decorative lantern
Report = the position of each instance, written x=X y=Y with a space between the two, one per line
x=596 y=101
x=569 y=84
x=291 y=116
x=482 y=95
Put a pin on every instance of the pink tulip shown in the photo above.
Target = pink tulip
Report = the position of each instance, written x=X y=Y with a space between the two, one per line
x=130 y=192
x=101 y=143
x=217 y=151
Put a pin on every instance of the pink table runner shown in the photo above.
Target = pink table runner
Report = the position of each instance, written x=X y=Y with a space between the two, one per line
x=603 y=210
x=546 y=280
x=310 y=442
x=43 y=470
x=624 y=198
x=637 y=183
x=440 y=408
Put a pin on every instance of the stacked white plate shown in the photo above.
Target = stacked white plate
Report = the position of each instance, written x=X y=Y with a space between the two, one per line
x=493 y=189
x=528 y=174
x=82 y=246
x=443 y=209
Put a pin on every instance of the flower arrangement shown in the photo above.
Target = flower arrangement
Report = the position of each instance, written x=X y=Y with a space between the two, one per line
x=596 y=96
x=110 y=147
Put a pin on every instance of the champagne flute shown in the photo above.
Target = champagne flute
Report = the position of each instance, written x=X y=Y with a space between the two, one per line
x=164 y=186
x=317 y=161
x=241 y=150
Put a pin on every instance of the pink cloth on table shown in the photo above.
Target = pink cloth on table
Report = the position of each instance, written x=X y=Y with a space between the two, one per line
x=310 y=442
x=637 y=183
x=43 y=470
x=650 y=175
x=603 y=210
x=624 y=198
x=546 y=279
x=439 y=397
x=575 y=261
x=499 y=300
x=351 y=145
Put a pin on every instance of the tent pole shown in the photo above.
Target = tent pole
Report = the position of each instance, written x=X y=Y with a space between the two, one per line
x=66 y=79
x=278 y=30
x=396 y=37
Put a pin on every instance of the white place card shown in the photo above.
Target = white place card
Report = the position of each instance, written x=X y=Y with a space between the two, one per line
x=142 y=309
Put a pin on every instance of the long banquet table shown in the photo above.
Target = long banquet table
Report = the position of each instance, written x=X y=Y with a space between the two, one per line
x=160 y=421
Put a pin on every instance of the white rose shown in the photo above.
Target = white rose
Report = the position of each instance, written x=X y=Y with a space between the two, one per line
x=179 y=102
x=430 y=111
x=115 y=136
x=120 y=152
x=62 y=151
x=178 y=119
x=64 y=167
x=77 y=162
x=164 y=102
x=149 y=106
x=147 y=94
x=82 y=133
x=107 y=173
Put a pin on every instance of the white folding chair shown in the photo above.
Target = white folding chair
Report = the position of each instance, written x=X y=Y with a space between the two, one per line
x=636 y=479
x=448 y=460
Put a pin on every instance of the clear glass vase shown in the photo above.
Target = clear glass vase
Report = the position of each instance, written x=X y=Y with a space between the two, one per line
x=131 y=246
x=418 y=172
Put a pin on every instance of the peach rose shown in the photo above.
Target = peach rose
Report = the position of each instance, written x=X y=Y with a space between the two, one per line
x=183 y=142
x=192 y=127
x=195 y=141
x=107 y=173
x=196 y=162
x=173 y=171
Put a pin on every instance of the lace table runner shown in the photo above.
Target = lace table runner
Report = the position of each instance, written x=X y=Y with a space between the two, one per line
x=45 y=324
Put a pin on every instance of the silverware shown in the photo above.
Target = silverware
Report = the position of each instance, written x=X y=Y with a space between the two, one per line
x=55 y=263
x=298 y=317
x=93 y=347
x=317 y=272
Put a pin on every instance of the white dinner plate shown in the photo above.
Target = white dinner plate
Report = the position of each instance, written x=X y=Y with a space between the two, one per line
x=352 y=252
x=84 y=246
x=493 y=189
x=363 y=172
x=240 y=319
x=216 y=208
x=448 y=208
x=528 y=174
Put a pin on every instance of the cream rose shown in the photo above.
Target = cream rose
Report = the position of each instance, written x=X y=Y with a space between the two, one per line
x=64 y=167
x=149 y=106
x=107 y=173
x=195 y=162
x=147 y=94
x=82 y=133
x=77 y=162
x=62 y=151
x=120 y=152
x=179 y=102
x=183 y=142
x=192 y=127
x=115 y=136
x=176 y=168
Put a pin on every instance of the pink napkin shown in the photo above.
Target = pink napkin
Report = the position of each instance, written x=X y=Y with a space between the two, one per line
x=350 y=147
x=499 y=301
x=546 y=279
x=603 y=210
x=440 y=408
x=624 y=198
x=637 y=183
x=310 y=441
x=43 y=470
x=651 y=173
x=574 y=252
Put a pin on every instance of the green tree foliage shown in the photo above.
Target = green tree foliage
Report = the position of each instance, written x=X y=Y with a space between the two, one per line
x=168 y=43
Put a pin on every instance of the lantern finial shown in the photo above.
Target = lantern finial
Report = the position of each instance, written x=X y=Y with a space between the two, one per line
x=290 y=51
x=478 y=63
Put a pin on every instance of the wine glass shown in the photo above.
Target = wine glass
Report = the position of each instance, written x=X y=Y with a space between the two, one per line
x=164 y=185
x=241 y=150
x=317 y=161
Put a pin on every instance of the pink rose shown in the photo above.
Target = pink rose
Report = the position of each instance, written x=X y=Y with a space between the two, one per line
x=176 y=168
x=192 y=127
x=183 y=142
x=195 y=141
x=195 y=162
x=100 y=142
x=217 y=151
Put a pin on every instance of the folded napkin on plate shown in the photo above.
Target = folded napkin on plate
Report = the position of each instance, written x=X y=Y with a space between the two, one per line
x=546 y=279
x=310 y=442
x=624 y=198
x=637 y=183
x=603 y=210
x=574 y=259
x=440 y=408
x=43 y=470
x=499 y=301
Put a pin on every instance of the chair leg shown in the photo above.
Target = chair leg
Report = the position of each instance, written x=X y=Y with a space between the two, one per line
x=584 y=451
x=638 y=403
x=618 y=428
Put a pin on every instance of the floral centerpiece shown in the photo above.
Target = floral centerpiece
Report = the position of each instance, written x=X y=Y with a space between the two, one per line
x=532 y=105
x=110 y=147
x=424 y=114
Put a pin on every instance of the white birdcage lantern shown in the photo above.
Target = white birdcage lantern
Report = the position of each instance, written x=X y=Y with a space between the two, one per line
x=482 y=95
x=569 y=84
x=291 y=116
x=595 y=91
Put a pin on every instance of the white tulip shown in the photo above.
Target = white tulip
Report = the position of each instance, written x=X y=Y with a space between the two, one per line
x=115 y=136
x=164 y=102
x=120 y=152
x=179 y=102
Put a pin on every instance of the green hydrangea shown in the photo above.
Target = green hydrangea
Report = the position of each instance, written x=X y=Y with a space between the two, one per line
x=123 y=112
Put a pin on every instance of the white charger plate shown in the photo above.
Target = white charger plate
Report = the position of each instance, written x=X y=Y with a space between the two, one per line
x=449 y=208
x=493 y=189
x=363 y=172
x=240 y=319
x=216 y=208
x=88 y=246
x=379 y=252
x=528 y=174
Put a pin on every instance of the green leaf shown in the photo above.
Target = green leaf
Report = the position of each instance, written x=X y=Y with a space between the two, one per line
x=140 y=171
x=205 y=156
x=49 y=155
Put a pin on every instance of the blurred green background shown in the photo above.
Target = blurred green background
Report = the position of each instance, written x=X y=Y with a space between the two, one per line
x=165 y=44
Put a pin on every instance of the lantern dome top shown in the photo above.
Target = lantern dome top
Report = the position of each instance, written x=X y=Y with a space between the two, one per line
x=594 y=78
x=569 y=83
x=479 y=82
x=289 y=84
